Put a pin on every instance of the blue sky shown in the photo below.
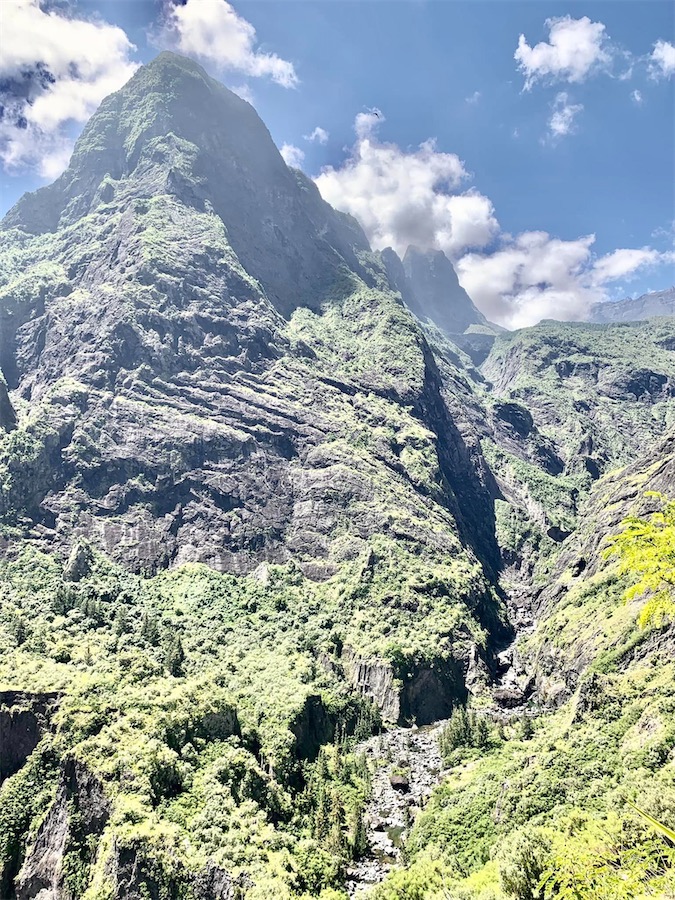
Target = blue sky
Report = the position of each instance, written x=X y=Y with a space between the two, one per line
x=531 y=157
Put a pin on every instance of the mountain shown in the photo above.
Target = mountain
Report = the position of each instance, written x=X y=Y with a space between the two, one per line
x=658 y=303
x=269 y=499
x=153 y=335
x=428 y=284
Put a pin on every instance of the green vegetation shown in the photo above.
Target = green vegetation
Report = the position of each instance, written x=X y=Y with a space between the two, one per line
x=581 y=802
x=278 y=411
x=646 y=550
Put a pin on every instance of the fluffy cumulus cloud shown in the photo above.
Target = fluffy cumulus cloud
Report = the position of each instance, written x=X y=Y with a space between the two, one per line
x=408 y=197
x=293 y=156
x=215 y=33
x=320 y=135
x=662 y=60
x=563 y=116
x=535 y=276
x=54 y=71
x=575 y=49
x=419 y=197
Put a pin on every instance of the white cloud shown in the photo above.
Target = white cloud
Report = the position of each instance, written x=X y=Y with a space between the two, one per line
x=215 y=33
x=662 y=60
x=625 y=263
x=320 y=135
x=535 y=276
x=636 y=97
x=366 y=123
x=416 y=196
x=576 y=48
x=473 y=98
x=563 y=115
x=55 y=70
x=293 y=156
x=244 y=91
x=408 y=197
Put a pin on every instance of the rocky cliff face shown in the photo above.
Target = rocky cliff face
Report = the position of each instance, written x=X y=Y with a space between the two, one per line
x=176 y=414
x=581 y=569
x=24 y=719
x=67 y=838
x=438 y=293
x=428 y=284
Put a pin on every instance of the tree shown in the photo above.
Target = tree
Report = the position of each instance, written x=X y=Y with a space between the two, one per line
x=522 y=860
x=359 y=839
x=150 y=629
x=646 y=552
x=121 y=621
x=175 y=657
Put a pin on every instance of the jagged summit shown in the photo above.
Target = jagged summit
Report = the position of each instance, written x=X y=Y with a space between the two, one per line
x=428 y=285
x=172 y=129
x=438 y=292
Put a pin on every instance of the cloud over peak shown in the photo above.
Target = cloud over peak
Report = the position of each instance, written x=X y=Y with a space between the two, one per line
x=293 y=156
x=418 y=196
x=214 y=32
x=407 y=197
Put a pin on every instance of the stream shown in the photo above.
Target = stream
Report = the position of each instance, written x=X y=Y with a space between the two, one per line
x=391 y=810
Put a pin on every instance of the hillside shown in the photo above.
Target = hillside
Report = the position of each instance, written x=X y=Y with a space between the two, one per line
x=265 y=493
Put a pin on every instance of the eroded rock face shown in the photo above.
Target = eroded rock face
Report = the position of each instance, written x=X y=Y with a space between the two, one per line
x=312 y=728
x=560 y=666
x=658 y=303
x=422 y=694
x=178 y=415
x=375 y=679
x=24 y=719
x=73 y=825
x=438 y=293
x=7 y=414
x=213 y=883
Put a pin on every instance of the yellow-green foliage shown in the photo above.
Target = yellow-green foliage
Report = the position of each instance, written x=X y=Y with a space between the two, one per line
x=646 y=552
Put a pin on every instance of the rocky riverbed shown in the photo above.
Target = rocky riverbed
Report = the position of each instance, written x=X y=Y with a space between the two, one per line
x=406 y=765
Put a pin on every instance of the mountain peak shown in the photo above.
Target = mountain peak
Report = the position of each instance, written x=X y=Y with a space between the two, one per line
x=647 y=306
x=437 y=290
x=173 y=130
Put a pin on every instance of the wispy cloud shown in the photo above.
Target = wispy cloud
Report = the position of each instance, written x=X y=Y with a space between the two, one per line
x=319 y=135
x=563 y=117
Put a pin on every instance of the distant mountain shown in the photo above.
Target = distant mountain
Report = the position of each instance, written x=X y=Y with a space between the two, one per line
x=658 y=303
x=428 y=284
